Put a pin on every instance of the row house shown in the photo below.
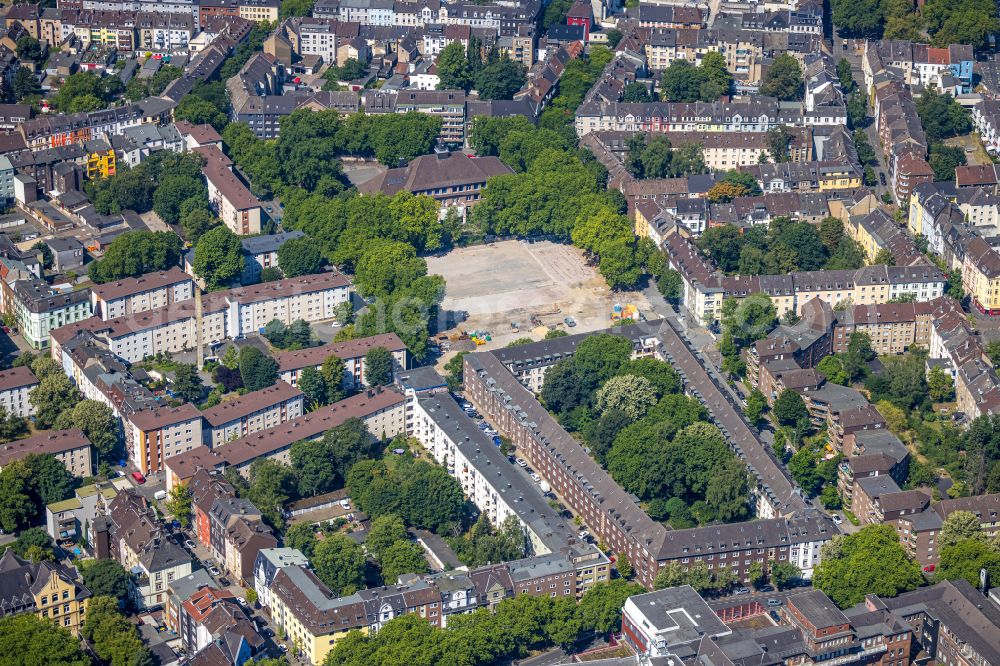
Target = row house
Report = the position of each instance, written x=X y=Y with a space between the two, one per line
x=314 y=620
x=704 y=287
x=805 y=176
x=132 y=534
x=236 y=535
x=986 y=120
x=921 y=64
x=51 y=131
x=758 y=114
x=352 y=352
x=47 y=590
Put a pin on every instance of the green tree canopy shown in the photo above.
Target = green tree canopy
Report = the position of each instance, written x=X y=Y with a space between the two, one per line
x=871 y=561
x=135 y=253
x=218 y=258
x=340 y=564
x=783 y=79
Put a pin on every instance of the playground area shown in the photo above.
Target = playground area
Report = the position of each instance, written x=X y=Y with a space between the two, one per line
x=536 y=285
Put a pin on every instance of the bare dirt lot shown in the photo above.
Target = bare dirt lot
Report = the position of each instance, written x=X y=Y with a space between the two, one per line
x=508 y=281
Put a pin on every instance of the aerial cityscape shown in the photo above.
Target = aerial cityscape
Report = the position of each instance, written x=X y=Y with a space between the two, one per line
x=500 y=332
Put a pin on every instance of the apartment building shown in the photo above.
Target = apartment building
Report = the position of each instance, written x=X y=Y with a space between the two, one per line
x=48 y=590
x=985 y=507
x=153 y=435
x=15 y=387
x=705 y=287
x=228 y=196
x=756 y=115
x=308 y=613
x=40 y=309
x=870 y=453
x=132 y=534
x=663 y=622
x=225 y=315
x=986 y=120
x=67 y=520
x=383 y=412
x=260 y=252
x=952 y=622
x=611 y=514
x=151 y=291
x=448 y=105
x=70 y=447
x=453 y=439
x=892 y=327
x=352 y=352
x=237 y=534
x=250 y=413
x=269 y=562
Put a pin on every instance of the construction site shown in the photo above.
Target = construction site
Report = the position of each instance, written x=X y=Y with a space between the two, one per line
x=518 y=288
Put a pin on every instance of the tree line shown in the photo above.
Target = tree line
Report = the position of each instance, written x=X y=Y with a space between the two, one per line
x=946 y=22
x=518 y=627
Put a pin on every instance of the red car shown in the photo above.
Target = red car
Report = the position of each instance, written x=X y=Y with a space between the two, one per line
x=139 y=478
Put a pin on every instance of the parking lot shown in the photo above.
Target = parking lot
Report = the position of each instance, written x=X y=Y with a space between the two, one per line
x=509 y=281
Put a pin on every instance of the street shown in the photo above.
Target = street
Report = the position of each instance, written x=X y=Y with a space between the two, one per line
x=853 y=56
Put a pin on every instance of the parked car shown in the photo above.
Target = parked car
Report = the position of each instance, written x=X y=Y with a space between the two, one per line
x=583 y=535
x=881 y=177
x=189 y=544
x=536 y=478
x=283 y=647
x=521 y=462
x=741 y=590
x=767 y=588
x=138 y=477
x=774 y=602
x=214 y=571
x=569 y=321
x=837 y=519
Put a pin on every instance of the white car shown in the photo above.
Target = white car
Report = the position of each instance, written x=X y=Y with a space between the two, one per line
x=837 y=519
x=536 y=478
x=283 y=647
x=583 y=535
x=213 y=571
x=189 y=544
x=521 y=462
x=241 y=601
x=345 y=504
